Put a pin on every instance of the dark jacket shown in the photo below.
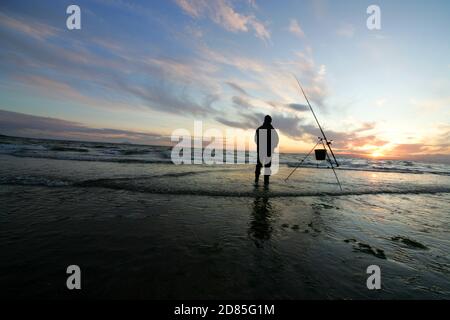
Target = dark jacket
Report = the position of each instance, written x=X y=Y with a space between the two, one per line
x=272 y=138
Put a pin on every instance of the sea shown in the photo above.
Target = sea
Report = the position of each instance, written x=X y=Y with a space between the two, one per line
x=140 y=227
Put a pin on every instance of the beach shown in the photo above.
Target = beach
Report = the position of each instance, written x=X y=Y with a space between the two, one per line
x=140 y=227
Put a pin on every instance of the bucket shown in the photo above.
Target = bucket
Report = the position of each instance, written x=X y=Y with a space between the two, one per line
x=321 y=154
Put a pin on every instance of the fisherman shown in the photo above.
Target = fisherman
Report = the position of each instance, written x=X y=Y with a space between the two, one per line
x=266 y=139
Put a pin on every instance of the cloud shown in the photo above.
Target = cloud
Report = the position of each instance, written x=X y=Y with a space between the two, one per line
x=24 y=125
x=366 y=126
x=276 y=77
x=311 y=76
x=164 y=99
x=190 y=85
x=438 y=144
x=27 y=54
x=19 y=124
x=241 y=102
x=222 y=13
x=291 y=126
x=193 y=8
x=237 y=88
x=32 y=28
x=289 y=107
x=409 y=148
x=295 y=29
x=59 y=90
x=298 y=128
x=44 y=66
x=210 y=99
x=352 y=140
x=195 y=32
x=272 y=78
x=260 y=29
x=160 y=96
x=346 y=30
x=235 y=124
x=443 y=136
x=237 y=61
x=297 y=107
x=432 y=104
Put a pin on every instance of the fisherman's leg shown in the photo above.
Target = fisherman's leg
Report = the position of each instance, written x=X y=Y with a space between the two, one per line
x=258 y=171
x=267 y=173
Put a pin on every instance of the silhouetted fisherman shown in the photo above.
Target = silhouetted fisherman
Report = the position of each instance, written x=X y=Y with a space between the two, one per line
x=266 y=139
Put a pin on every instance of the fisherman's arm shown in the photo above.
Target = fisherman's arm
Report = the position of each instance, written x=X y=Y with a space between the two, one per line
x=275 y=138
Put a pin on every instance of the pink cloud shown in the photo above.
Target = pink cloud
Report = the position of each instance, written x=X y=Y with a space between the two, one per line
x=31 y=28
x=223 y=14
x=295 y=29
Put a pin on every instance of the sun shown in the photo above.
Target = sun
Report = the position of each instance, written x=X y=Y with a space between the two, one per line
x=377 y=154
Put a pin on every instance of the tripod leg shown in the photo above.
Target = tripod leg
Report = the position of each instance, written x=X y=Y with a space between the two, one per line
x=332 y=167
x=298 y=165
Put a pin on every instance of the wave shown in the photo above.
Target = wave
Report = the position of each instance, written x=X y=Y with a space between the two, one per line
x=380 y=169
x=73 y=157
x=91 y=158
x=140 y=154
x=164 y=159
x=68 y=149
x=127 y=185
x=134 y=152
x=34 y=181
x=257 y=192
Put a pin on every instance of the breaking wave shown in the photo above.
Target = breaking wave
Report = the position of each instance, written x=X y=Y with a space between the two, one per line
x=129 y=184
x=140 y=154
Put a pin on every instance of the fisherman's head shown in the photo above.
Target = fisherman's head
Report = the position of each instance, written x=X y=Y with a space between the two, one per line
x=267 y=119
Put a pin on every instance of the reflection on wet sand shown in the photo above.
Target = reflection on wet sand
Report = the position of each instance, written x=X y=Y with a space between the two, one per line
x=261 y=220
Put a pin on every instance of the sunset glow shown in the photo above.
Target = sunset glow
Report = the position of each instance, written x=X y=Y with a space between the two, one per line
x=377 y=154
x=110 y=81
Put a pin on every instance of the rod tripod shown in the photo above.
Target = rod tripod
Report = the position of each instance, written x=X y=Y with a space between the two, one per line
x=303 y=160
x=331 y=163
x=322 y=140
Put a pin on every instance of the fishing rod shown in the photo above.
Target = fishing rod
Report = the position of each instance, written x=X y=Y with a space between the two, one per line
x=328 y=143
x=325 y=142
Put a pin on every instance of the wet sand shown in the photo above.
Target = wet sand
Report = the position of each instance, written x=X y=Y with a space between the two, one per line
x=156 y=246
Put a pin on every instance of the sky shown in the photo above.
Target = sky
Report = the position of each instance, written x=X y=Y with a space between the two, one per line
x=138 y=70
